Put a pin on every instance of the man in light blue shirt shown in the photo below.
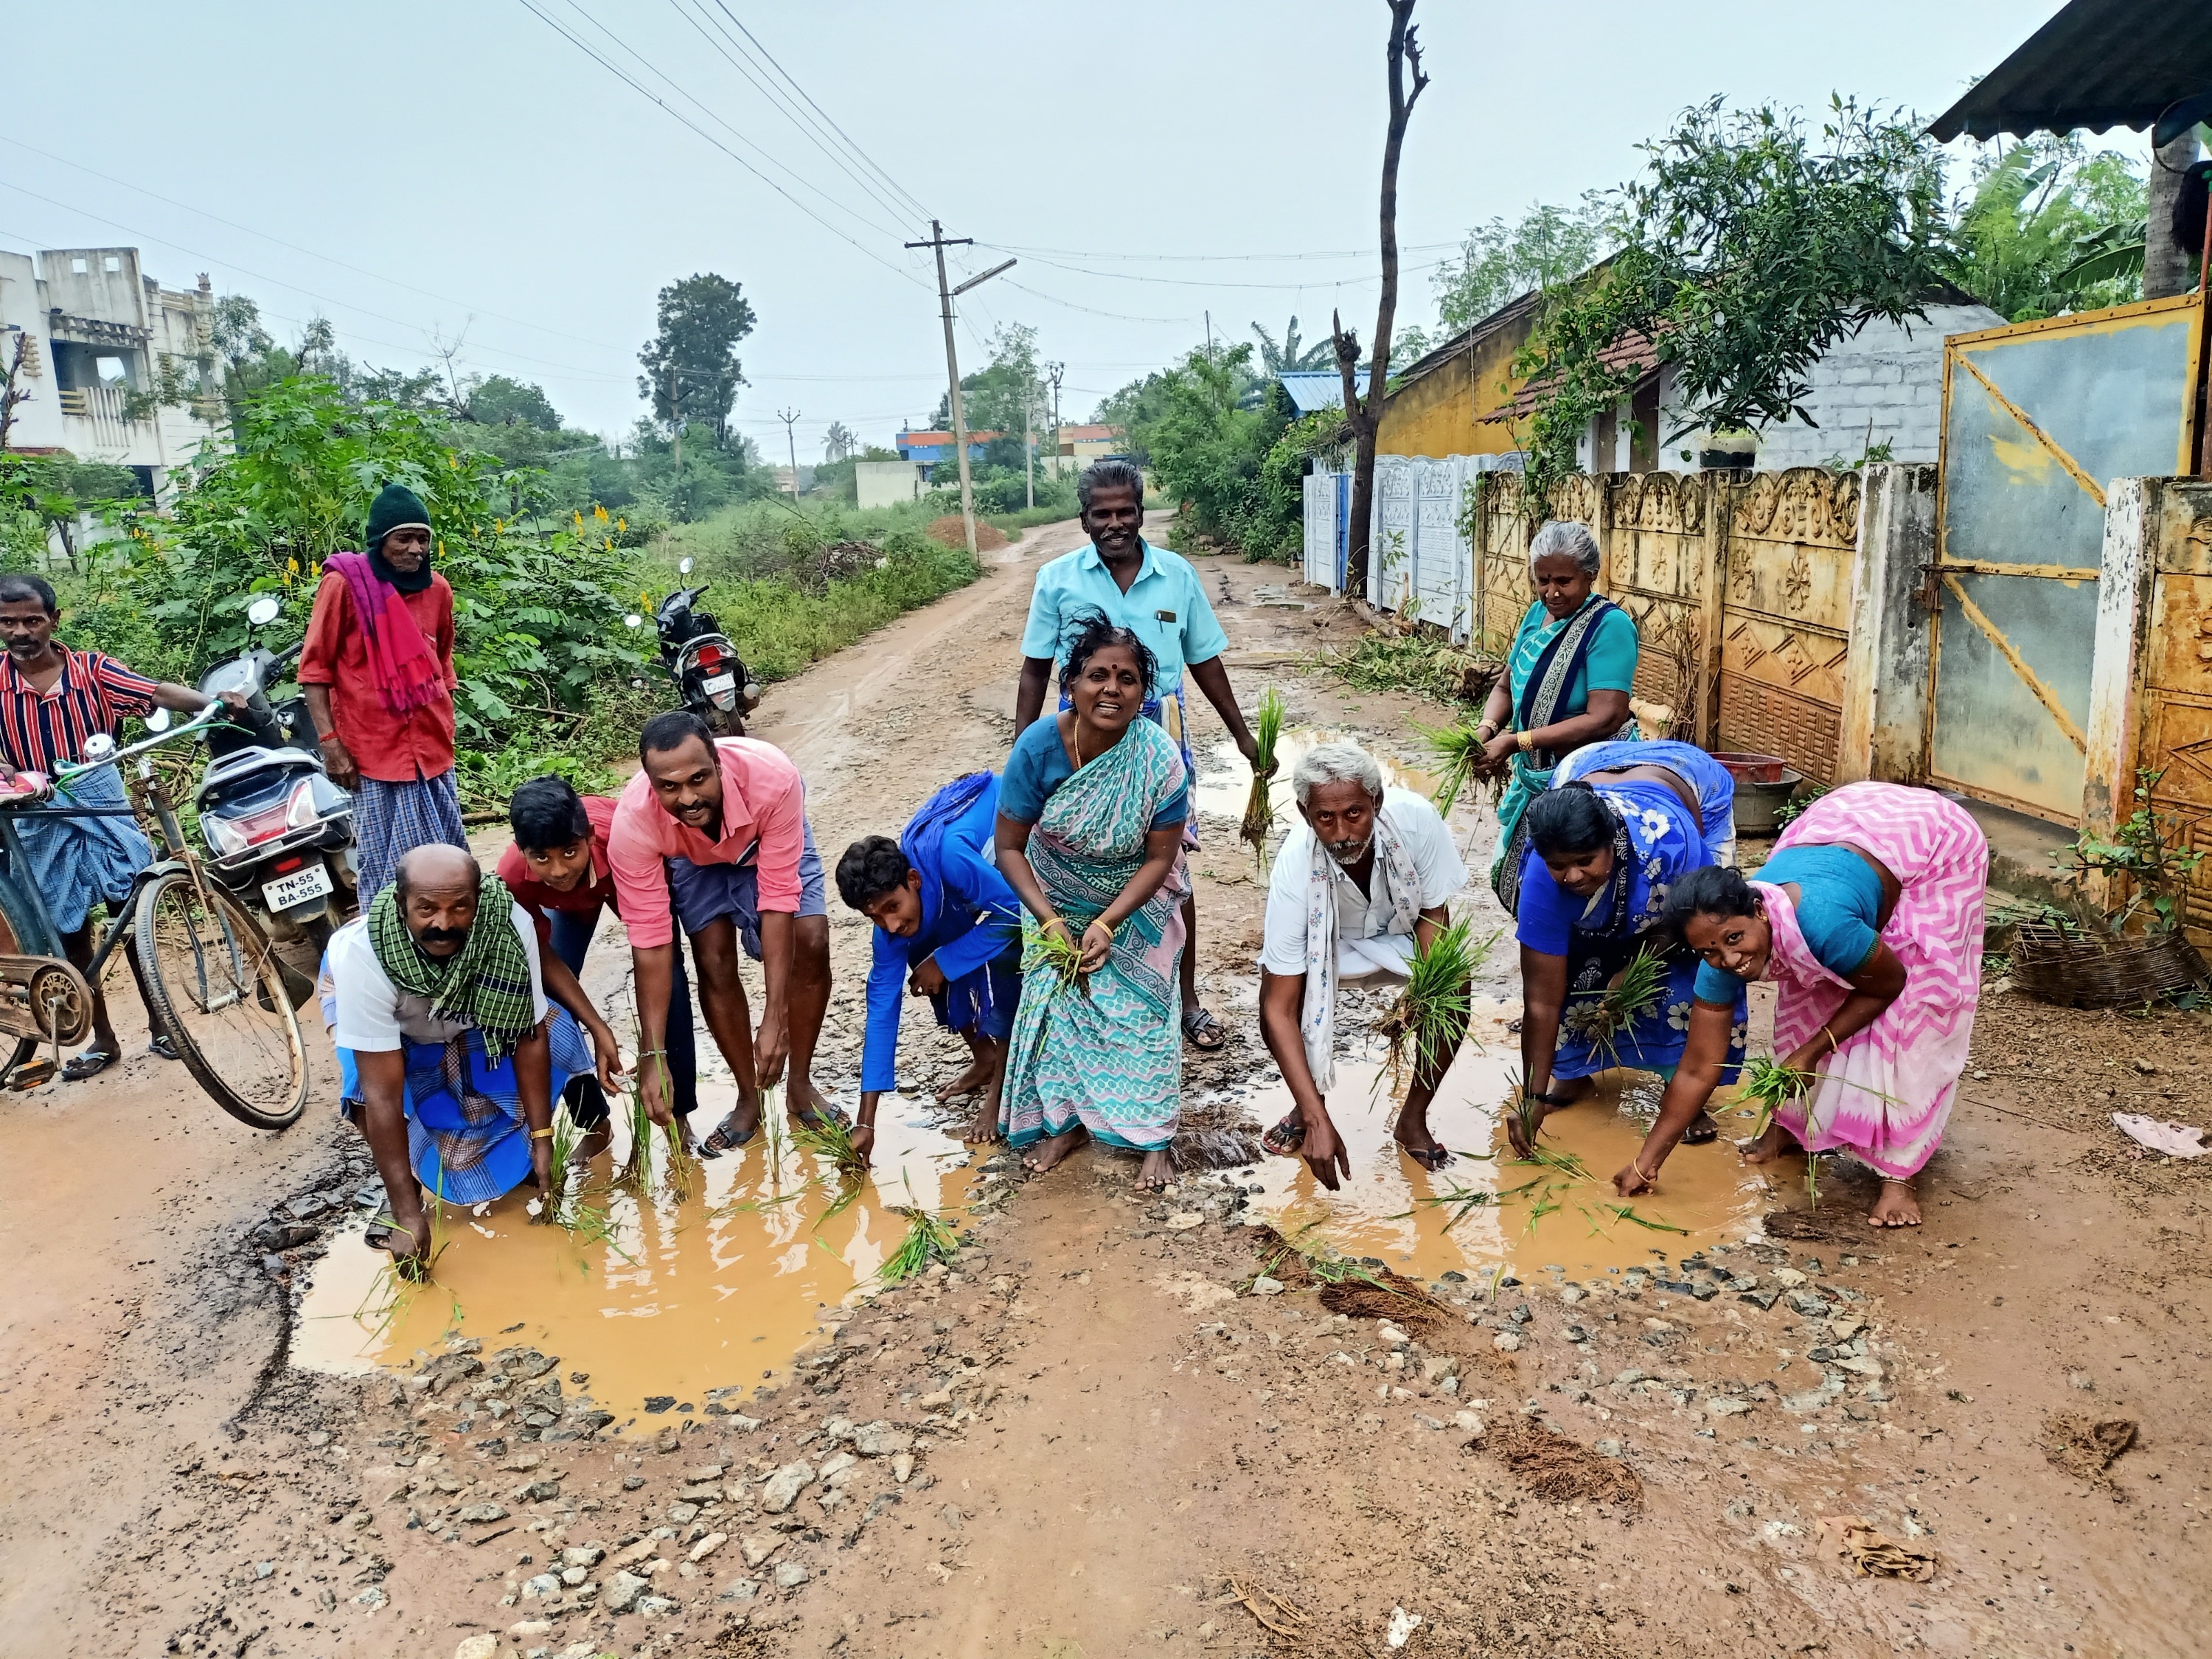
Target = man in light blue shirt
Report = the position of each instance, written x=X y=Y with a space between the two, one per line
x=1156 y=595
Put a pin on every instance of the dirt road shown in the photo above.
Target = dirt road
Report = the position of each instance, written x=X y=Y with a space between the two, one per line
x=1100 y=1433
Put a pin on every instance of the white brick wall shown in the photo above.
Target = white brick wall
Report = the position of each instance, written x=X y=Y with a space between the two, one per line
x=1883 y=385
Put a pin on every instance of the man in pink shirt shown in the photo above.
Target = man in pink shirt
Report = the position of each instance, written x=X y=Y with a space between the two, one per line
x=717 y=830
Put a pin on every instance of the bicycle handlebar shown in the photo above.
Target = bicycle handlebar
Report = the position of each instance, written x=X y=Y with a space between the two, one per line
x=199 y=722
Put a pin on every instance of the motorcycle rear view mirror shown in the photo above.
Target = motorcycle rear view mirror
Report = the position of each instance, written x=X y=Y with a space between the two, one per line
x=684 y=567
x=263 y=611
x=633 y=620
x=158 y=720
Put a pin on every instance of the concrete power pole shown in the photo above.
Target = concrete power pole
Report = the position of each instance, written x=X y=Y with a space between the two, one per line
x=676 y=420
x=1029 y=454
x=790 y=418
x=940 y=241
x=1054 y=372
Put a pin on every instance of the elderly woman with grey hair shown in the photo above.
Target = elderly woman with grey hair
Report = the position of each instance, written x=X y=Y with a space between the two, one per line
x=1360 y=883
x=1566 y=684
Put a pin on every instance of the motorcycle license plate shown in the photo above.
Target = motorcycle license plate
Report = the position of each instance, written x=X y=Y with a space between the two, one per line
x=284 y=892
x=717 y=683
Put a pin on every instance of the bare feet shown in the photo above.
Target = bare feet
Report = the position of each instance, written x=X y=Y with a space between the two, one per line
x=1897 y=1206
x=1159 y=1173
x=977 y=1076
x=983 y=1127
x=1770 y=1146
x=1046 y=1153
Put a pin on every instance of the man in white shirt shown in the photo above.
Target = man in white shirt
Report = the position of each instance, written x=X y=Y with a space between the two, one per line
x=1360 y=884
x=448 y=1060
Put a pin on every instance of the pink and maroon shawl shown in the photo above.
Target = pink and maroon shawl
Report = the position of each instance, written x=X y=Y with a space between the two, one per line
x=1887 y=1093
x=407 y=673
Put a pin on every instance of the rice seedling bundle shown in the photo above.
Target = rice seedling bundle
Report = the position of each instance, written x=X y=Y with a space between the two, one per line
x=1634 y=992
x=927 y=1240
x=1260 y=805
x=828 y=1137
x=1047 y=947
x=1429 y=1016
x=1458 y=749
x=1768 y=1083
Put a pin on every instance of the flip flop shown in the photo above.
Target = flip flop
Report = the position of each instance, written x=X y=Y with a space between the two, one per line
x=1197 y=1024
x=91 y=1063
x=1285 y=1138
x=1702 y=1132
x=722 y=1139
x=1429 y=1158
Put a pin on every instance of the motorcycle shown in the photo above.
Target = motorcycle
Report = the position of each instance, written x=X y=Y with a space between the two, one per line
x=279 y=833
x=710 y=676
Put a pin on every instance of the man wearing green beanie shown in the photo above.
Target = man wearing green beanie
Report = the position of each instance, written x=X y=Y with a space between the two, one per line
x=377 y=670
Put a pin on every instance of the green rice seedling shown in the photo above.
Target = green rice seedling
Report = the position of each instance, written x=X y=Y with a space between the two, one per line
x=1053 y=948
x=927 y=1240
x=1628 y=1213
x=828 y=1137
x=1462 y=1201
x=1260 y=805
x=1544 y=1205
x=1768 y=1083
x=1527 y=1111
x=1429 y=1016
x=546 y=1206
x=1458 y=751
x=1634 y=992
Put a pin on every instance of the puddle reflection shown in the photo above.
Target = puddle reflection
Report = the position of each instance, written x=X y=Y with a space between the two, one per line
x=1523 y=1216
x=714 y=1289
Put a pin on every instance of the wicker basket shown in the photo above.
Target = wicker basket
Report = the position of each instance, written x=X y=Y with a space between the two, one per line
x=2082 y=969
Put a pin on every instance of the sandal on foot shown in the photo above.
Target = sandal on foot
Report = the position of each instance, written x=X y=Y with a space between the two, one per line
x=91 y=1063
x=1702 y=1132
x=1285 y=1138
x=1198 y=1025
x=1429 y=1158
x=162 y=1048
x=724 y=1138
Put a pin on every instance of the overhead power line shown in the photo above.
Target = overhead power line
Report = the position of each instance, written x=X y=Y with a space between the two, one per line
x=647 y=93
x=1201 y=282
x=1327 y=253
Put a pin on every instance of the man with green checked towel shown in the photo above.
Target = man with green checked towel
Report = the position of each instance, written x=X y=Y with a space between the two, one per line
x=449 y=1055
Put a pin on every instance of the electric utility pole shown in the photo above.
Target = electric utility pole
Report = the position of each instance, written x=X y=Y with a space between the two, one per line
x=790 y=417
x=1052 y=372
x=1028 y=450
x=676 y=420
x=940 y=241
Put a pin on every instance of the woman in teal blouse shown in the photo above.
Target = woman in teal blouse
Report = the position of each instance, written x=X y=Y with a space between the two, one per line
x=1566 y=684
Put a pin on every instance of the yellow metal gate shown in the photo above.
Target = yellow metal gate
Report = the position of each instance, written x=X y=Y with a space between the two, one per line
x=2037 y=417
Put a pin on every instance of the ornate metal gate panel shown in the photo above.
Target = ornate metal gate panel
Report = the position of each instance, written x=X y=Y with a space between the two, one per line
x=2037 y=418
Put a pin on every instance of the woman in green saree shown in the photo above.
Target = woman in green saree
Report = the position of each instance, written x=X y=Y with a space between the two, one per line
x=1566 y=684
x=1089 y=837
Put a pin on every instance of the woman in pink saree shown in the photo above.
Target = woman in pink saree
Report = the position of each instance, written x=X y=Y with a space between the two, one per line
x=1868 y=919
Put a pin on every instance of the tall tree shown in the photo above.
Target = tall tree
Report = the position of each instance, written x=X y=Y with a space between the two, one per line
x=1500 y=262
x=838 y=443
x=1363 y=416
x=1288 y=357
x=691 y=361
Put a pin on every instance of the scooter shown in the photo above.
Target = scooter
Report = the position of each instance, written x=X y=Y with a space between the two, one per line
x=709 y=676
x=279 y=833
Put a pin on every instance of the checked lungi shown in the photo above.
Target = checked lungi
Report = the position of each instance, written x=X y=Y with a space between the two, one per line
x=390 y=820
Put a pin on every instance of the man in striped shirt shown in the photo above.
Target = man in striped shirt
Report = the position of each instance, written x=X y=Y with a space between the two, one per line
x=52 y=700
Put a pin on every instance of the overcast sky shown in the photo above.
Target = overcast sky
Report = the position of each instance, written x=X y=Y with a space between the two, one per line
x=414 y=170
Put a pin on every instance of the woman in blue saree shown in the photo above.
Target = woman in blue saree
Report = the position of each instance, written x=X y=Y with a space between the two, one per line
x=1595 y=880
x=1089 y=835
x=1566 y=684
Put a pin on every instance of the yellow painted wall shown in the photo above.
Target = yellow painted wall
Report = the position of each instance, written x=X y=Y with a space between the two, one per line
x=1441 y=413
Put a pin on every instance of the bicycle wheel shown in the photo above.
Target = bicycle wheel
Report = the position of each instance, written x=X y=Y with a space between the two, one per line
x=217 y=990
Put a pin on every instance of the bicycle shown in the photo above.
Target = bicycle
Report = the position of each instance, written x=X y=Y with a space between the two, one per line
x=214 y=986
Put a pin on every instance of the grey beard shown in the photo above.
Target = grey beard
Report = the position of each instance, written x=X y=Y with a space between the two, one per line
x=1349 y=853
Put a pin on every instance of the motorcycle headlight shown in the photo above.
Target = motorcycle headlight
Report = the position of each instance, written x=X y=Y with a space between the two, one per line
x=224 y=836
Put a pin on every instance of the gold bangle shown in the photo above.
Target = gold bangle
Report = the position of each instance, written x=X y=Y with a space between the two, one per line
x=1831 y=1036
x=542 y=1134
x=1651 y=1180
x=1527 y=741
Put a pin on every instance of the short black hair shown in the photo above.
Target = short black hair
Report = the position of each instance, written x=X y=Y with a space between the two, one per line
x=1715 y=891
x=672 y=731
x=1571 y=818
x=873 y=866
x=17 y=585
x=1089 y=632
x=546 y=812
x=1111 y=473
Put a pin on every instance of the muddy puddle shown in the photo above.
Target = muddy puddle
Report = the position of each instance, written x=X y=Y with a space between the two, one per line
x=1224 y=781
x=1487 y=1209
x=715 y=1288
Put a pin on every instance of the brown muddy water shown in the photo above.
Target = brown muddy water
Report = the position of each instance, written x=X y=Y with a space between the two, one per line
x=716 y=1288
x=1524 y=1217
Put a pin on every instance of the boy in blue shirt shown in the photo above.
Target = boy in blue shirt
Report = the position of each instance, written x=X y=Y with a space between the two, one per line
x=1156 y=595
x=949 y=925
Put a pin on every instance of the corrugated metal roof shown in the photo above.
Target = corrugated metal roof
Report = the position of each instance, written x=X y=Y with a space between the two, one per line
x=1320 y=388
x=2098 y=63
